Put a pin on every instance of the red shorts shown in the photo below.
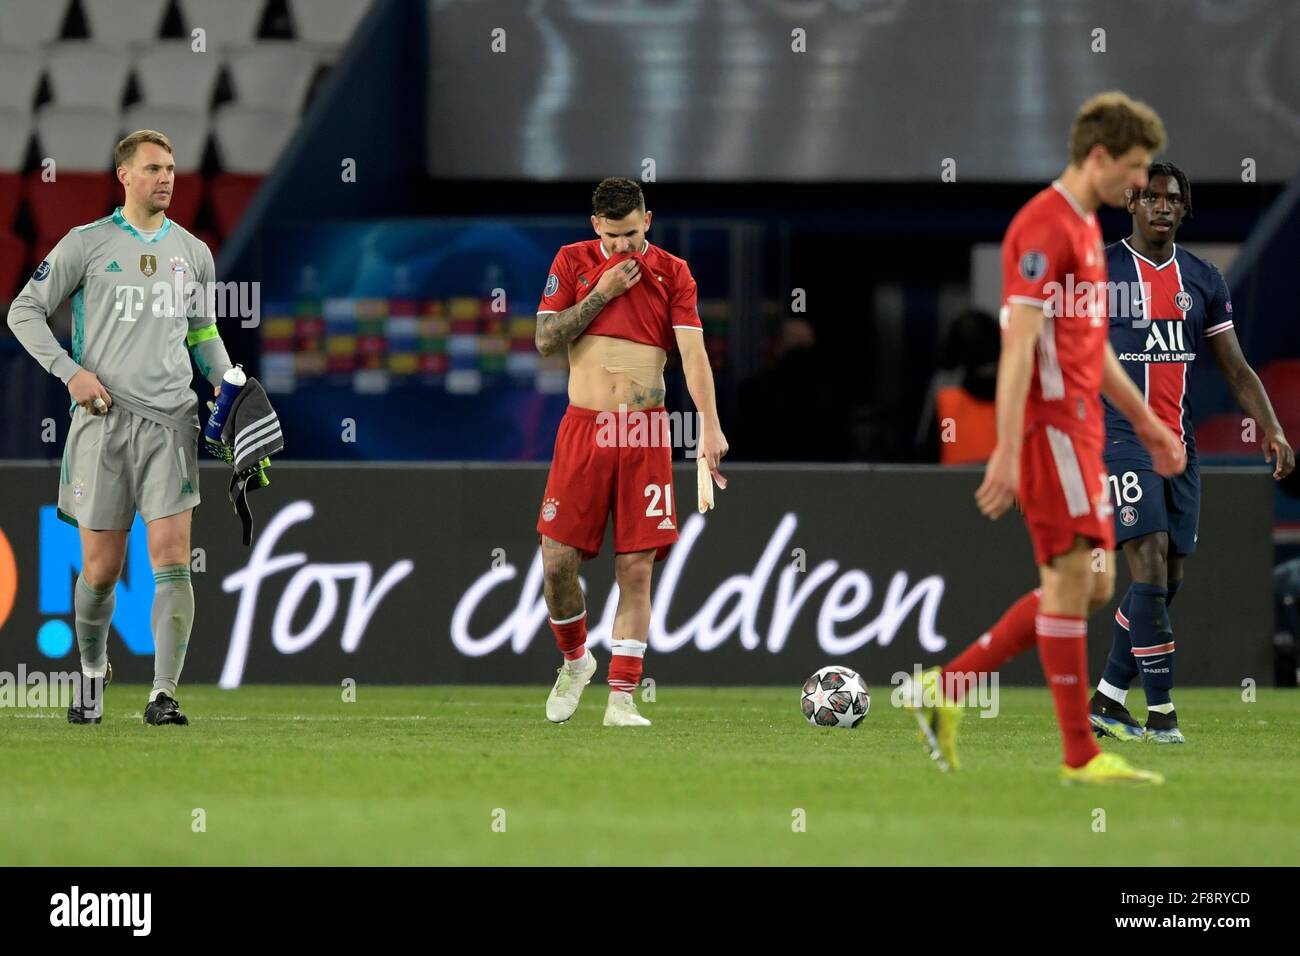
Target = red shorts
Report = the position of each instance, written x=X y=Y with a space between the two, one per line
x=1063 y=491
x=619 y=462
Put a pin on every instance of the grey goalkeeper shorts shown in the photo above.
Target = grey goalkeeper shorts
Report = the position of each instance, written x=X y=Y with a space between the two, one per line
x=118 y=463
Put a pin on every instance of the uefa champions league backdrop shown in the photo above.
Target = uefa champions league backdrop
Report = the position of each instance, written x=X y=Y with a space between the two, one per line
x=420 y=575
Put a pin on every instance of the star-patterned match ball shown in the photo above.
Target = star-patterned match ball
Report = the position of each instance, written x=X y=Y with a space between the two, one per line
x=835 y=697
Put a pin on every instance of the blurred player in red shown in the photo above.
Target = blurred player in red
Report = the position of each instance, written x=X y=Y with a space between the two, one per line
x=1056 y=362
x=619 y=305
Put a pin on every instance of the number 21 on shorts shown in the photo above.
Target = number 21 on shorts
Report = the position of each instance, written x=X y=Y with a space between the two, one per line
x=656 y=494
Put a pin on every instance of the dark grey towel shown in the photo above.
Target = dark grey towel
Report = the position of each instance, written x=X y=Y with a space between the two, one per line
x=252 y=432
x=252 y=429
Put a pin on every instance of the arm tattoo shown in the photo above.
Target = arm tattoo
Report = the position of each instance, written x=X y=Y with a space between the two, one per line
x=561 y=328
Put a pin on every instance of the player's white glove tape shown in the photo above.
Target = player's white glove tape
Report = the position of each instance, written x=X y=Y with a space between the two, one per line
x=703 y=484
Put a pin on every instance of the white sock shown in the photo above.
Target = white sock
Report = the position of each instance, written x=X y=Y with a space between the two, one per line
x=1117 y=694
x=1162 y=708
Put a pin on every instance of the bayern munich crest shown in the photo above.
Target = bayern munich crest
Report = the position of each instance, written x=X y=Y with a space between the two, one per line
x=1128 y=516
x=1183 y=300
x=549 y=507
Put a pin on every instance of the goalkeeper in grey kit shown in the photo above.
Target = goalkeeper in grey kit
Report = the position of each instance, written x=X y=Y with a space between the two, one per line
x=133 y=441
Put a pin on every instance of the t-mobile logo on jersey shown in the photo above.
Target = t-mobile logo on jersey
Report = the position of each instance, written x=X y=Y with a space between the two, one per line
x=168 y=300
x=128 y=302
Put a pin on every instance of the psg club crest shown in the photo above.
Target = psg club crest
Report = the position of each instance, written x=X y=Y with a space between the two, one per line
x=1033 y=265
x=1183 y=300
x=552 y=283
x=148 y=264
x=1128 y=516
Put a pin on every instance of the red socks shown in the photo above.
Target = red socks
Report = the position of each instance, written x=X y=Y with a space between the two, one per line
x=625 y=664
x=571 y=636
x=1013 y=634
x=1063 y=649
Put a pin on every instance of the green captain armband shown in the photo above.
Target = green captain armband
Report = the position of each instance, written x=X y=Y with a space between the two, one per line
x=196 y=336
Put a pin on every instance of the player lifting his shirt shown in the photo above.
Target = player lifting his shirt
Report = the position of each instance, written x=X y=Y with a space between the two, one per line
x=619 y=305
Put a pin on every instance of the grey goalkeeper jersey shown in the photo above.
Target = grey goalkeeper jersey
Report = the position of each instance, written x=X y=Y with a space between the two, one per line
x=136 y=306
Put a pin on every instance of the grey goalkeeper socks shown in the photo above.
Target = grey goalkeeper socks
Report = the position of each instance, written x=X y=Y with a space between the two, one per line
x=94 y=613
x=173 y=617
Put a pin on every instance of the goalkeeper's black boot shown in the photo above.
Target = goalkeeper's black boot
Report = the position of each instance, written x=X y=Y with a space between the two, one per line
x=163 y=710
x=87 y=705
x=1110 y=718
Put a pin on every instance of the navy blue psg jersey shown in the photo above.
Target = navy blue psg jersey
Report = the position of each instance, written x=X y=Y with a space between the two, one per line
x=1159 y=319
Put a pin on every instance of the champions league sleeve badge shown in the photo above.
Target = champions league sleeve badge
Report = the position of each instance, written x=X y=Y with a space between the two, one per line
x=1033 y=265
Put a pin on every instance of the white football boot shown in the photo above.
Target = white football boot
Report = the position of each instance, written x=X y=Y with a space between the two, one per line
x=621 y=711
x=573 y=677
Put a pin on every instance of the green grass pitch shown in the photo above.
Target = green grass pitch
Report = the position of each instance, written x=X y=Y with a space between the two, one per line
x=475 y=775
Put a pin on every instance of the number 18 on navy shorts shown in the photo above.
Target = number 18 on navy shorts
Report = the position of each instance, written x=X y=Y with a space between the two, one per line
x=1146 y=503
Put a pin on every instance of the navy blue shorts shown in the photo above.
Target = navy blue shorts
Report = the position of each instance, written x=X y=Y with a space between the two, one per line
x=1146 y=503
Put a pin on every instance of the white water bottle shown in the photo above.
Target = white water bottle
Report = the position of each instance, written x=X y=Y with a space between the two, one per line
x=232 y=383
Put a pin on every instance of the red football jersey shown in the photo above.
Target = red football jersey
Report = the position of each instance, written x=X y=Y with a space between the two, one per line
x=648 y=312
x=1052 y=256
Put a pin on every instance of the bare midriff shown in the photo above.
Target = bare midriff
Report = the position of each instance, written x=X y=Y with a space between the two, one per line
x=606 y=373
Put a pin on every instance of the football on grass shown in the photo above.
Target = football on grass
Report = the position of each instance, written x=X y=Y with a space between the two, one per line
x=835 y=697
